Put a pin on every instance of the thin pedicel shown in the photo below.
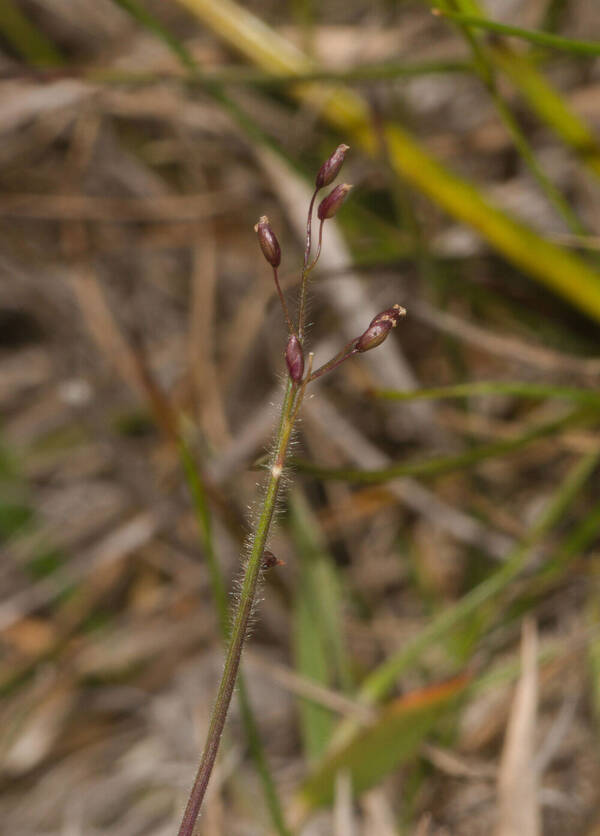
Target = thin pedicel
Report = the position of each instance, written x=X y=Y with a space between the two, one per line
x=300 y=374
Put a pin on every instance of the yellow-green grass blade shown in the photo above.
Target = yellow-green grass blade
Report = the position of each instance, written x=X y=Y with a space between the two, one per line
x=562 y=271
x=384 y=745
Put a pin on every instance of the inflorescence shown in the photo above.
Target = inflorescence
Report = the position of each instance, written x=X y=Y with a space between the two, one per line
x=379 y=327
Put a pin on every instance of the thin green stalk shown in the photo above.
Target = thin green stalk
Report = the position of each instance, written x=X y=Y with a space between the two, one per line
x=249 y=77
x=139 y=13
x=583 y=48
x=219 y=594
x=348 y=351
x=244 y=611
x=479 y=388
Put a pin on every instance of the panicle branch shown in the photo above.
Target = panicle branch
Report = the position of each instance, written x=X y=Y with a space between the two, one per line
x=377 y=331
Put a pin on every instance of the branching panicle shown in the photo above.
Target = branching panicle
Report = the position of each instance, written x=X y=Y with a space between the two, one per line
x=259 y=558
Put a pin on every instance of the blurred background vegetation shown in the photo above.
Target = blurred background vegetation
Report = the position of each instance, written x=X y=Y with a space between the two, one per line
x=428 y=659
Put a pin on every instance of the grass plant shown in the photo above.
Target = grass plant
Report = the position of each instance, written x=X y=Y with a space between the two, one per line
x=394 y=615
x=298 y=379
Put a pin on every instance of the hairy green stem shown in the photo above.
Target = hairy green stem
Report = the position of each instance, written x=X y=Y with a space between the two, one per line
x=219 y=593
x=244 y=612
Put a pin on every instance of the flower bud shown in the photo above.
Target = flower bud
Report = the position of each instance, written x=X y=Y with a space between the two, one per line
x=331 y=167
x=294 y=359
x=268 y=242
x=330 y=204
x=379 y=327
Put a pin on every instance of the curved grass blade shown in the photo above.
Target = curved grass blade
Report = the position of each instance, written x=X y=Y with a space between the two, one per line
x=546 y=39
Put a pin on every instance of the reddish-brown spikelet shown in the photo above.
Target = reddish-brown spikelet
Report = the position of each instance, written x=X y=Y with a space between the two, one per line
x=331 y=167
x=330 y=205
x=379 y=327
x=373 y=336
x=268 y=241
x=294 y=359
